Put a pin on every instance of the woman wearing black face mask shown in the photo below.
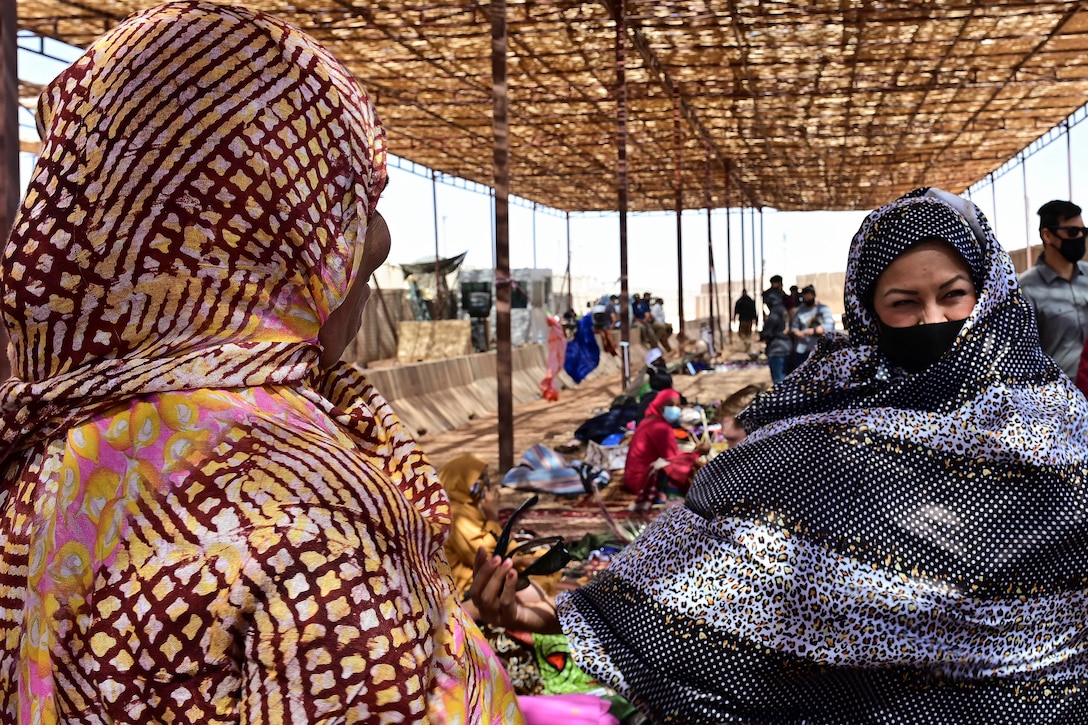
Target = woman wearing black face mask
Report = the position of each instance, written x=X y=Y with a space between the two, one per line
x=902 y=536
x=922 y=300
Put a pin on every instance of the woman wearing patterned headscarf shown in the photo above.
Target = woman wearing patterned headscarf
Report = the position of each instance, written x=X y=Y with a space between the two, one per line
x=205 y=517
x=903 y=535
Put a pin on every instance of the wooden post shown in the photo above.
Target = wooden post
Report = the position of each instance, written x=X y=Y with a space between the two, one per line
x=504 y=360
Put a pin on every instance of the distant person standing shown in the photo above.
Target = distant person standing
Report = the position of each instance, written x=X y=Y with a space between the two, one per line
x=1057 y=286
x=789 y=299
x=812 y=321
x=662 y=329
x=745 y=311
x=776 y=284
x=777 y=341
x=792 y=302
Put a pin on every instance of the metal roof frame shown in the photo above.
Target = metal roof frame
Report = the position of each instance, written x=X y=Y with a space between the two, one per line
x=817 y=104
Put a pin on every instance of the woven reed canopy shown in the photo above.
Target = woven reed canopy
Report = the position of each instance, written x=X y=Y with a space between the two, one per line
x=824 y=104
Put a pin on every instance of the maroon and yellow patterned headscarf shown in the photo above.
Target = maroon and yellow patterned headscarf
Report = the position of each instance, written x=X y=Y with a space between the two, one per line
x=196 y=523
x=194 y=217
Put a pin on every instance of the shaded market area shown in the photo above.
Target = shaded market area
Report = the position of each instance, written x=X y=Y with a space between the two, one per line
x=816 y=105
x=626 y=106
x=635 y=105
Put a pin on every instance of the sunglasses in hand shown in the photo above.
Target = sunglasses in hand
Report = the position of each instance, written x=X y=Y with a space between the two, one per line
x=554 y=557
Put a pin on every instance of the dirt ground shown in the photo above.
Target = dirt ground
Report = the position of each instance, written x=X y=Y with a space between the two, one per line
x=553 y=424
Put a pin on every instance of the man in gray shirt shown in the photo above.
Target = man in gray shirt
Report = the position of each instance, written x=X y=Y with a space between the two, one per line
x=1057 y=286
x=811 y=321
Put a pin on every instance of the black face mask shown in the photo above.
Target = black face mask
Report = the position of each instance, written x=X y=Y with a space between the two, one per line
x=1072 y=249
x=916 y=348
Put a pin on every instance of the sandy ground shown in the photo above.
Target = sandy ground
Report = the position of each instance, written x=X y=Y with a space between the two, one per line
x=553 y=424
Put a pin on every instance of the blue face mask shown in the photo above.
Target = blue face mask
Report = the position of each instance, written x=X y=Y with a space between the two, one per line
x=671 y=413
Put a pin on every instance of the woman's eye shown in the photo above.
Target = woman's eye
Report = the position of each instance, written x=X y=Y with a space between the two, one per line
x=955 y=293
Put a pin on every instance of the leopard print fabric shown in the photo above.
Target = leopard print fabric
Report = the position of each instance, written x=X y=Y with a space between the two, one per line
x=885 y=547
x=197 y=524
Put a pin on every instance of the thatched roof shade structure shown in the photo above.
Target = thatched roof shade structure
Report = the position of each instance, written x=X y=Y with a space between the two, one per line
x=817 y=104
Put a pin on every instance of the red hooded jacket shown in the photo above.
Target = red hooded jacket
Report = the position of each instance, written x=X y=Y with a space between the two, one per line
x=654 y=439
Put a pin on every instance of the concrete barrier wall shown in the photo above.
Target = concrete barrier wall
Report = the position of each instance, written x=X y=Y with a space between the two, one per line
x=830 y=287
x=440 y=395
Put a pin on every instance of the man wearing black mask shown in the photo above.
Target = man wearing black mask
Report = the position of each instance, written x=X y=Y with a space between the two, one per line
x=810 y=322
x=1057 y=286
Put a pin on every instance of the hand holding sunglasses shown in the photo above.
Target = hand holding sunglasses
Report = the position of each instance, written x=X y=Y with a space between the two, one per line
x=554 y=557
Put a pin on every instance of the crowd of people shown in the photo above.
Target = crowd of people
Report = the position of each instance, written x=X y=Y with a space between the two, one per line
x=793 y=326
x=206 y=516
x=1056 y=288
x=646 y=313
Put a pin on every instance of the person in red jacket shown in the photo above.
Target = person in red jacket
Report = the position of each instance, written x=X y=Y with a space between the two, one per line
x=654 y=462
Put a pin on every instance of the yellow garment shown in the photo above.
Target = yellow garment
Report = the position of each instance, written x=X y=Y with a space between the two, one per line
x=470 y=529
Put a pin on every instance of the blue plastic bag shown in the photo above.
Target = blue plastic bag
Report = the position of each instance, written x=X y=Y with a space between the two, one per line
x=583 y=353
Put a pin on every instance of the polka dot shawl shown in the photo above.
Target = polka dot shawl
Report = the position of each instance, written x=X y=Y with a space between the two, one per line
x=885 y=547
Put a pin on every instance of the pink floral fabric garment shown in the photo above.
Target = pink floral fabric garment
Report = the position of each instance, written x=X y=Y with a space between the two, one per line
x=196 y=524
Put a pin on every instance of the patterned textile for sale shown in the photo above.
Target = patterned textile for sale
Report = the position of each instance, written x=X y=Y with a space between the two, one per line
x=886 y=546
x=197 y=524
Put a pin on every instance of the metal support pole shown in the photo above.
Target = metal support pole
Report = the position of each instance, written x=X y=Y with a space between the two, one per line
x=712 y=292
x=438 y=307
x=678 y=185
x=534 y=235
x=743 y=260
x=752 y=236
x=501 y=126
x=762 y=266
x=9 y=142
x=1068 y=157
x=570 y=290
x=729 y=253
x=621 y=169
x=1027 y=212
x=993 y=196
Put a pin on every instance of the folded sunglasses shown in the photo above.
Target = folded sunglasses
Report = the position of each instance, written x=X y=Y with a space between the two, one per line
x=554 y=557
